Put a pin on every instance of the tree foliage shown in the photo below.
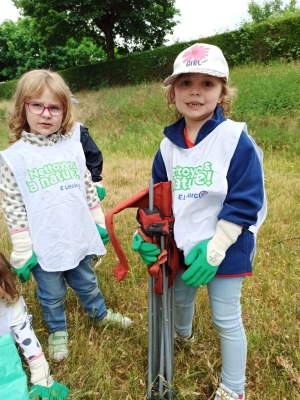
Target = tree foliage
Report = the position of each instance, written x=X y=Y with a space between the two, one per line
x=21 y=50
x=273 y=8
x=131 y=25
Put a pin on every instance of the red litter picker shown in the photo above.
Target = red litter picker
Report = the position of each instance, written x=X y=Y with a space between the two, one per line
x=156 y=222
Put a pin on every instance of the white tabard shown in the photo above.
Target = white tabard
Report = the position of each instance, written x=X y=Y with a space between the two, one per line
x=51 y=182
x=199 y=182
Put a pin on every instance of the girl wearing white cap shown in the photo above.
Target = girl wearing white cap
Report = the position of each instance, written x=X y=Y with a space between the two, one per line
x=218 y=202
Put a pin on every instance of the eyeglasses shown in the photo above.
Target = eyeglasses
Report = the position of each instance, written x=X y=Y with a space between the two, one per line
x=38 y=108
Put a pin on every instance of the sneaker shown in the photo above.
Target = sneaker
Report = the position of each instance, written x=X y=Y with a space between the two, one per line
x=223 y=393
x=58 y=345
x=188 y=339
x=112 y=318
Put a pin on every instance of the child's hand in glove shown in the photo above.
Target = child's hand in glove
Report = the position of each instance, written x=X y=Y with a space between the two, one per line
x=205 y=258
x=147 y=251
x=22 y=257
x=101 y=192
x=44 y=386
x=24 y=272
x=99 y=220
x=55 y=392
x=103 y=234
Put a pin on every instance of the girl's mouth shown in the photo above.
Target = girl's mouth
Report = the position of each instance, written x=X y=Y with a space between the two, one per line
x=194 y=104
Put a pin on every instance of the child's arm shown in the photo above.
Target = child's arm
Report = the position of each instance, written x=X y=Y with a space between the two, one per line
x=93 y=155
x=95 y=207
x=22 y=258
x=41 y=379
x=245 y=194
x=159 y=173
x=94 y=160
x=12 y=202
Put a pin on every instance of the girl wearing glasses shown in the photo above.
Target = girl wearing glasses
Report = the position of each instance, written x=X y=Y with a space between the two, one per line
x=51 y=207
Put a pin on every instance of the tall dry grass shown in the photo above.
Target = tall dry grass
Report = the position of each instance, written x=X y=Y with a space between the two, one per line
x=110 y=364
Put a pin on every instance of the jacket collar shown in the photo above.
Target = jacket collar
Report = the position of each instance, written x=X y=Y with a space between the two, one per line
x=174 y=132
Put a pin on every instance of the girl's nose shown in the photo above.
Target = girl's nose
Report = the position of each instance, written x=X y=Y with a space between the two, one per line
x=195 y=91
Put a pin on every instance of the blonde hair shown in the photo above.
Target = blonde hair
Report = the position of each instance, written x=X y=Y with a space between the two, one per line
x=228 y=92
x=33 y=84
x=8 y=281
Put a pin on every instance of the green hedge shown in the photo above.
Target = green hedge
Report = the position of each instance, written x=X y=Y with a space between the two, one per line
x=253 y=43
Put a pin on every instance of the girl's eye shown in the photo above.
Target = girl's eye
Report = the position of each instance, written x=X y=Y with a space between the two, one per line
x=185 y=83
x=207 y=83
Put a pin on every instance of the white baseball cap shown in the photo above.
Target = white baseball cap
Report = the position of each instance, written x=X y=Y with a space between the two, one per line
x=200 y=58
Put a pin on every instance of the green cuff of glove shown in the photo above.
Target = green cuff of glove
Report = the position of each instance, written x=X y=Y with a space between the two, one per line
x=200 y=272
x=103 y=234
x=101 y=192
x=55 y=392
x=147 y=251
x=24 y=272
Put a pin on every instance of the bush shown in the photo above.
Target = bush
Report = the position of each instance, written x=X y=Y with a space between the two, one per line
x=251 y=43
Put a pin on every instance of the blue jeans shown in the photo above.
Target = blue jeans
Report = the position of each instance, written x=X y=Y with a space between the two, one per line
x=52 y=290
x=224 y=296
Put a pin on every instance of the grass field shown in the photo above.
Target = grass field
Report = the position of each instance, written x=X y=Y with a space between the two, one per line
x=127 y=124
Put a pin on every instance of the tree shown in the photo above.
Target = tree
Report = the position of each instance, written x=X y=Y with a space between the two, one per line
x=131 y=25
x=260 y=13
x=21 y=50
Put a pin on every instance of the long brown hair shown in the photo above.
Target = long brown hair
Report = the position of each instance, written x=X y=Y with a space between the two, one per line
x=8 y=280
x=32 y=84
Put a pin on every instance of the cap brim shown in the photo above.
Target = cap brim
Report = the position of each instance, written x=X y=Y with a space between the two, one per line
x=171 y=78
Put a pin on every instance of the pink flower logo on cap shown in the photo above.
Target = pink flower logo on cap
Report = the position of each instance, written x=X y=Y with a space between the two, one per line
x=195 y=53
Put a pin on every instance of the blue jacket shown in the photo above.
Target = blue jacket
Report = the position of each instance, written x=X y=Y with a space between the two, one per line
x=245 y=191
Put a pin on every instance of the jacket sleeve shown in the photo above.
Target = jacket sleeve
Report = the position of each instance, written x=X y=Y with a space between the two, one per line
x=22 y=331
x=12 y=202
x=91 y=193
x=245 y=194
x=93 y=155
x=159 y=173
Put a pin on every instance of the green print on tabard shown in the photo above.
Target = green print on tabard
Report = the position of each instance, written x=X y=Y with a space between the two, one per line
x=185 y=177
x=51 y=174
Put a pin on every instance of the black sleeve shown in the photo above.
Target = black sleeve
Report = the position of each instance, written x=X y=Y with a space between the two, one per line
x=93 y=155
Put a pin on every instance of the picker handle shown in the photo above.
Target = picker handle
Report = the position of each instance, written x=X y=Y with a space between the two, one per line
x=151 y=194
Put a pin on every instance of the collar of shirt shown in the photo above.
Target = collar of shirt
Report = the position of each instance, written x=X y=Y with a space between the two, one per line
x=41 y=140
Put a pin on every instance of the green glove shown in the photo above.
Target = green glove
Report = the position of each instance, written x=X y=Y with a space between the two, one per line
x=103 y=234
x=200 y=271
x=147 y=251
x=24 y=272
x=55 y=392
x=101 y=192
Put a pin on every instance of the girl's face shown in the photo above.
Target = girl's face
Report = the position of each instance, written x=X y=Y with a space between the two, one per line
x=197 y=95
x=45 y=123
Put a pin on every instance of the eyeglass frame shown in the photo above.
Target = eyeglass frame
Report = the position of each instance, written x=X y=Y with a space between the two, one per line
x=48 y=108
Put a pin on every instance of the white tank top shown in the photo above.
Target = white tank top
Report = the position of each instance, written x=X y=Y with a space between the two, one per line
x=51 y=182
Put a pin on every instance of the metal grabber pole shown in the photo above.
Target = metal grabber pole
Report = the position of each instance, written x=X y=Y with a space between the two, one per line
x=160 y=332
x=153 y=324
